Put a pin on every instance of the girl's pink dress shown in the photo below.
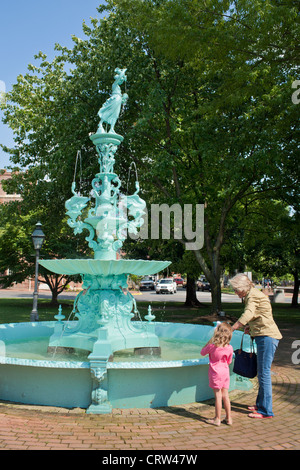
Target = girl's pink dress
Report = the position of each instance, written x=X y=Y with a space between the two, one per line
x=219 y=360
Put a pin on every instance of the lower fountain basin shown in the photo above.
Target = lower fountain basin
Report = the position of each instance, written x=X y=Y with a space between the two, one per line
x=147 y=382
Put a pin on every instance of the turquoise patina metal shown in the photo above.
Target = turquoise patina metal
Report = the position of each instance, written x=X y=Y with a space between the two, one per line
x=104 y=308
x=107 y=220
x=110 y=111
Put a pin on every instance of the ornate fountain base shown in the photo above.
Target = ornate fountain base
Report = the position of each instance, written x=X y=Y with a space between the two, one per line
x=104 y=304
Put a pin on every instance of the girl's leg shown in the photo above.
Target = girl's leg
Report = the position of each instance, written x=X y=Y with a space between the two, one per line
x=227 y=405
x=218 y=405
x=218 y=408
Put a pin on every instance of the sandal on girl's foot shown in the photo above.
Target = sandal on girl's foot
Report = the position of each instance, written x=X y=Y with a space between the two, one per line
x=252 y=408
x=213 y=421
x=258 y=416
x=227 y=421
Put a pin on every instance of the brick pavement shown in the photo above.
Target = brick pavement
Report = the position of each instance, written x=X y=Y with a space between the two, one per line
x=175 y=428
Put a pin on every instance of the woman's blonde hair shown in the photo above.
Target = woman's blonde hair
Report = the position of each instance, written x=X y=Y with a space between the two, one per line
x=222 y=335
x=241 y=283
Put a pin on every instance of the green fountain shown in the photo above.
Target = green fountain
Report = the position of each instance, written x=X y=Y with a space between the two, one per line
x=104 y=308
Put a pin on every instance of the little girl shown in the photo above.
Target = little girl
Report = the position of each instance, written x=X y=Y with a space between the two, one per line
x=220 y=356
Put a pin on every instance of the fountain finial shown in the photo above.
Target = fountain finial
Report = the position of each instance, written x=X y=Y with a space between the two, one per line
x=110 y=111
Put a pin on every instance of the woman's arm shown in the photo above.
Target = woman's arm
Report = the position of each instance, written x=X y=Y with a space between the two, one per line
x=237 y=325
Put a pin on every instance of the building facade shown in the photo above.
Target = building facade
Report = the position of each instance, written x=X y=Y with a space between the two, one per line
x=4 y=197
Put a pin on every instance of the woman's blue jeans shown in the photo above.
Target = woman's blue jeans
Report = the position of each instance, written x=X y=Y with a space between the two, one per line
x=266 y=347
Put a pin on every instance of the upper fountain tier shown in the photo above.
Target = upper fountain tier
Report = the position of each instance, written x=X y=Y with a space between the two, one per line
x=112 y=214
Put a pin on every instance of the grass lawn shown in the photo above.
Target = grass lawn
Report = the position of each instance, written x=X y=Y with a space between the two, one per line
x=18 y=310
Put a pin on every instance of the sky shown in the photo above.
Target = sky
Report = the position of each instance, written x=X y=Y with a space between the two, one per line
x=30 y=26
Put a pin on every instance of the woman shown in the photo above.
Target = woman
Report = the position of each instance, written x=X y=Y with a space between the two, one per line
x=258 y=315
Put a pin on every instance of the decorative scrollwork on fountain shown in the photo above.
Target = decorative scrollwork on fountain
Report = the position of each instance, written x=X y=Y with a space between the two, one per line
x=74 y=207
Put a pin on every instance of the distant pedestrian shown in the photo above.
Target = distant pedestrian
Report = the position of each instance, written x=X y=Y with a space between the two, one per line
x=220 y=356
x=262 y=327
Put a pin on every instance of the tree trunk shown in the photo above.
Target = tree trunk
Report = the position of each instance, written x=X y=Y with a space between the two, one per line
x=54 y=281
x=213 y=277
x=54 y=301
x=216 y=295
x=191 y=295
x=296 y=289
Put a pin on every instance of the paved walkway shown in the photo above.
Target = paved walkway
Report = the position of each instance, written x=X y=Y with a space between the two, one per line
x=176 y=428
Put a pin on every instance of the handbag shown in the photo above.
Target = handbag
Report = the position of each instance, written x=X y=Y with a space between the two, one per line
x=245 y=363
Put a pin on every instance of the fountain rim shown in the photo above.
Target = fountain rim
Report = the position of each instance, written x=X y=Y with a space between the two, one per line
x=86 y=364
x=100 y=267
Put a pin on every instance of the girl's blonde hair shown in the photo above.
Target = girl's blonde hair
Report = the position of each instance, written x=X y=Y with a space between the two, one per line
x=241 y=283
x=222 y=335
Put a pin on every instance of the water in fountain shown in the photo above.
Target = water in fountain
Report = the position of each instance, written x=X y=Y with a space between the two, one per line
x=172 y=349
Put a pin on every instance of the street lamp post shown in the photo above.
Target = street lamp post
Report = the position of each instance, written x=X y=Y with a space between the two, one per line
x=38 y=238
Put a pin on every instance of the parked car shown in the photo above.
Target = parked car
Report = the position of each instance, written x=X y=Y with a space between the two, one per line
x=147 y=284
x=166 y=286
x=178 y=280
x=203 y=285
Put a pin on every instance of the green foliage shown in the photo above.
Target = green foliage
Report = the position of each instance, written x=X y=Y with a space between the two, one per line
x=209 y=118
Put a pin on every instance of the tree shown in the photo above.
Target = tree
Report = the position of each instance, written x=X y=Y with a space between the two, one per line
x=209 y=119
x=277 y=253
x=264 y=238
x=17 y=257
x=225 y=105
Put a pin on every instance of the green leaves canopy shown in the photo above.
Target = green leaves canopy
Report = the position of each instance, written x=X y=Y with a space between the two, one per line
x=209 y=118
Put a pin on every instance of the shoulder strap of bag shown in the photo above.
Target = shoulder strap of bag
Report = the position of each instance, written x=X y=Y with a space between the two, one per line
x=252 y=344
x=241 y=348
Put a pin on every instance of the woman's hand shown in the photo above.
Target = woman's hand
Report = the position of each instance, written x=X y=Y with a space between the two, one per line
x=237 y=325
